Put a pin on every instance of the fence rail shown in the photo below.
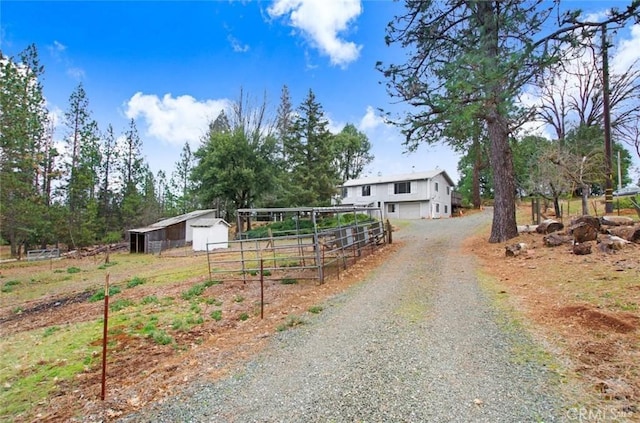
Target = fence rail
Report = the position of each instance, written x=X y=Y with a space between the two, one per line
x=34 y=255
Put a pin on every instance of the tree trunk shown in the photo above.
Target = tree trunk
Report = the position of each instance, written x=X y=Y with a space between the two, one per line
x=548 y=226
x=585 y=199
x=504 y=225
x=630 y=233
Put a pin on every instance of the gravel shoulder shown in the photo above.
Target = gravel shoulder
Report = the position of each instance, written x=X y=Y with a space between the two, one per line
x=417 y=341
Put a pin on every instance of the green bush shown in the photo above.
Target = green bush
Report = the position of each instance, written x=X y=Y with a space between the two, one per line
x=216 y=315
x=288 y=281
x=9 y=285
x=135 y=282
x=244 y=316
x=151 y=299
x=99 y=294
x=120 y=304
x=73 y=270
x=194 y=291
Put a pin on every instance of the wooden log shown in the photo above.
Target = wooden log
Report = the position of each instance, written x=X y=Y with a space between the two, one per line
x=527 y=229
x=583 y=232
x=629 y=233
x=611 y=243
x=616 y=221
x=548 y=226
x=515 y=249
x=556 y=239
x=582 y=249
x=589 y=220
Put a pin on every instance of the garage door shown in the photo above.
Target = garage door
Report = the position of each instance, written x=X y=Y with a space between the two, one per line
x=409 y=211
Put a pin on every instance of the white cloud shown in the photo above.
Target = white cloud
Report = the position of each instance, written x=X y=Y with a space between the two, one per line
x=370 y=120
x=322 y=21
x=175 y=120
x=237 y=46
x=627 y=51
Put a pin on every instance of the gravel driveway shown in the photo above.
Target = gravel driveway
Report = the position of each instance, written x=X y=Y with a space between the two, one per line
x=418 y=341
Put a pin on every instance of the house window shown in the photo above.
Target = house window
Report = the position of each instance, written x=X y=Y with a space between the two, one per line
x=437 y=208
x=345 y=192
x=446 y=209
x=448 y=190
x=402 y=188
x=436 y=187
x=366 y=190
x=391 y=208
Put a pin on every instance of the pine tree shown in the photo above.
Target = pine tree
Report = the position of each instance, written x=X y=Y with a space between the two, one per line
x=23 y=127
x=314 y=177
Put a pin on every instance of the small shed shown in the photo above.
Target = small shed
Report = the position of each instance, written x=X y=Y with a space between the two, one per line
x=213 y=233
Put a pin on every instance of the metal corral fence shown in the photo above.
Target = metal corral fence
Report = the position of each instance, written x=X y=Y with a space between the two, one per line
x=309 y=243
x=157 y=247
x=33 y=255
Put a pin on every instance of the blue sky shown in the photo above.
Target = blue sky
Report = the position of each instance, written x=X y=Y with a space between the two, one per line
x=173 y=65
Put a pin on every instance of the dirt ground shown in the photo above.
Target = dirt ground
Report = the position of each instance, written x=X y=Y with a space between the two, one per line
x=140 y=371
x=586 y=309
x=566 y=300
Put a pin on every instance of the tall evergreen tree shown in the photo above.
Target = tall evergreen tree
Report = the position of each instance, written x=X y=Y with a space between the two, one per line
x=181 y=182
x=83 y=166
x=314 y=176
x=468 y=61
x=133 y=171
x=23 y=120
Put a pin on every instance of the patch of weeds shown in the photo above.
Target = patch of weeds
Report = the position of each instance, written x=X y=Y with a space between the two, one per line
x=211 y=283
x=315 y=309
x=99 y=295
x=238 y=299
x=216 y=315
x=149 y=299
x=161 y=337
x=135 y=282
x=106 y=265
x=50 y=331
x=266 y=273
x=9 y=285
x=292 y=321
x=213 y=301
x=179 y=324
x=626 y=306
x=58 y=271
x=253 y=273
x=195 y=320
x=120 y=304
x=73 y=270
x=194 y=291
x=195 y=308
x=17 y=310
x=243 y=316
x=289 y=281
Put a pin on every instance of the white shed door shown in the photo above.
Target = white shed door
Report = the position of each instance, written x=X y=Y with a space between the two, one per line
x=409 y=210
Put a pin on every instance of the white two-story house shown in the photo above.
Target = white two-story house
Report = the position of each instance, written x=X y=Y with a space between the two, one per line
x=419 y=195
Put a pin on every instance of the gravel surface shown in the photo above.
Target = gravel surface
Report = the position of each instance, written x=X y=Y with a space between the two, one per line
x=418 y=341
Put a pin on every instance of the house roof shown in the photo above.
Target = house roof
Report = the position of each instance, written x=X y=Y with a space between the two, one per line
x=415 y=176
x=173 y=220
x=207 y=223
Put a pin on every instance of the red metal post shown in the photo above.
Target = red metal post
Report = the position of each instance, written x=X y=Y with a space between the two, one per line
x=104 y=339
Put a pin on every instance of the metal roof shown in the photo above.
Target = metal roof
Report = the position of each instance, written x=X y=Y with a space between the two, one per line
x=207 y=223
x=397 y=178
x=172 y=221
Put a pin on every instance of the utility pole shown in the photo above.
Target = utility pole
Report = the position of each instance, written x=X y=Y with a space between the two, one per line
x=608 y=191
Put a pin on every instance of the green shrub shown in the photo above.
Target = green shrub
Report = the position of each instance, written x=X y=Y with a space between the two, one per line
x=161 y=337
x=244 y=316
x=50 y=331
x=9 y=285
x=216 y=315
x=120 y=304
x=288 y=281
x=291 y=321
x=315 y=309
x=238 y=298
x=99 y=294
x=135 y=282
x=194 y=291
x=211 y=283
x=73 y=270
x=150 y=299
